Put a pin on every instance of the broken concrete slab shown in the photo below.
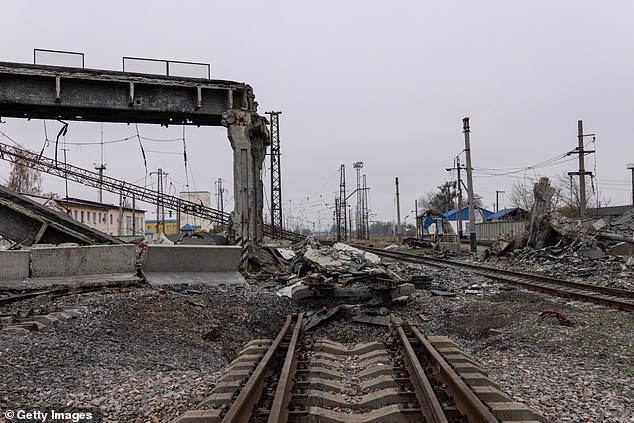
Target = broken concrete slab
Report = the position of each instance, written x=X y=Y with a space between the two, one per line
x=592 y=253
x=440 y=293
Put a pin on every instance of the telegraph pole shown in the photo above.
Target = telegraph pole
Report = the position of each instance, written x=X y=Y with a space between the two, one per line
x=160 y=207
x=342 y=231
x=100 y=168
x=359 y=213
x=582 y=171
x=631 y=167
x=497 y=200
x=416 y=217
x=472 y=232
x=398 y=214
x=459 y=182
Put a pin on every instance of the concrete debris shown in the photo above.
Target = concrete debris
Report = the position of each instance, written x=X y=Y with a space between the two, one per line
x=441 y=293
x=311 y=270
x=198 y=238
x=355 y=313
x=550 y=234
x=286 y=253
x=158 y=238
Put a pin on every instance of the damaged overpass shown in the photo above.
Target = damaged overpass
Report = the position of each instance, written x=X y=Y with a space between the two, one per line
x=53 y=92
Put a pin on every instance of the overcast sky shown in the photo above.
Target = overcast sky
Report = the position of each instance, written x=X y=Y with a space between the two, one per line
x=385 y=83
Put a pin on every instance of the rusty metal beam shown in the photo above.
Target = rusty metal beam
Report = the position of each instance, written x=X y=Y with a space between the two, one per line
x=54 y=92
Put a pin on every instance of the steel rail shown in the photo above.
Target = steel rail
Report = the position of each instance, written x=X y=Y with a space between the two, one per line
x=613 y=297
x=430 y=407
x=466 y=400
x=242 y=408
x=279 y=409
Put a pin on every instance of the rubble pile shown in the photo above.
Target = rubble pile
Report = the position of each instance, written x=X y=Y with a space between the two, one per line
x=550 y=235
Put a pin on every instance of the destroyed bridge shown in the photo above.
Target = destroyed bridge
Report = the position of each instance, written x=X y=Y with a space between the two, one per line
x=52 y=92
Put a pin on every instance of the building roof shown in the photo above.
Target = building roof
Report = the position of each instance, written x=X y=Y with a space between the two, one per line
x=453 y=214
x=503 y=213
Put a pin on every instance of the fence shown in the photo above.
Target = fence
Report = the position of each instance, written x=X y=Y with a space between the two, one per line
x=490 y=231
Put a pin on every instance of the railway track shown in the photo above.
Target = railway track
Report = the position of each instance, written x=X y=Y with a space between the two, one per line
x=618 y=298
x=408 y=378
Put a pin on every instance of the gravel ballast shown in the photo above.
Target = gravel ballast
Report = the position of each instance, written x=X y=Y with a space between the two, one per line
x=147 y=355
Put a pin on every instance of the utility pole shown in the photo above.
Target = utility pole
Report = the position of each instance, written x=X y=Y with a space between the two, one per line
x=366 y=225
x=342 y=230
x=458 y=168
x=358 y=166
x=398 y=214
x=631 y=167
x=101 y=167
x=220 y=204
x=276 y=176
x=133 y=215
x=120 y=218
x=582 y=171
x=472 y=232
x=160 y=207
x=416 y=217
x=497 y=200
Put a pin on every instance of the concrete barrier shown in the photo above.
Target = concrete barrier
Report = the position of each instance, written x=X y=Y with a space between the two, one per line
x=14 y=265
x=195 y=264
x=192 y=258
x=86 y=260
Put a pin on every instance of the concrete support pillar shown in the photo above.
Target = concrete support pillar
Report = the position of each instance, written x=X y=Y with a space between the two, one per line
x=249 y=138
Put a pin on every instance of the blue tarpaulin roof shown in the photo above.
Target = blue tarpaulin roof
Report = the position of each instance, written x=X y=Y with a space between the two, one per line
x=502 y=213
x=452 y=215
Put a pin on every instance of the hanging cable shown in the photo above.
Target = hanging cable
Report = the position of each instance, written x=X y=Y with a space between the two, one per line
x=141 y=145
x=62 y=132
x=46 y=140
x=185 y=158
x=11 y=139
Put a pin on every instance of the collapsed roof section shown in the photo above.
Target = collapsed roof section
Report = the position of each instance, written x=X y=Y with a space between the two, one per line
x=27 y=222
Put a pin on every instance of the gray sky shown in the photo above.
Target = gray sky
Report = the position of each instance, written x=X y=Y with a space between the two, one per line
x=383 y=83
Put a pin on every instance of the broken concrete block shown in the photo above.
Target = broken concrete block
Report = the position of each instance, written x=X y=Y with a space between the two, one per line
x=592 y=253
x=600 y=224
x=622 y=249
x=404 y=290
x=440 y=293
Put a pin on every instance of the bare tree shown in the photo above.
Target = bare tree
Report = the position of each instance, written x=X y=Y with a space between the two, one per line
x=445 y=199
x=522 y=194
x=23 y=178
x=568 y=197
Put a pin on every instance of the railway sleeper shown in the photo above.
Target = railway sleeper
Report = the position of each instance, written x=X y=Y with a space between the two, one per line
x=395 y=413
x=380 y=382
x=332 y=347
x=372 y=400
x=361 y=357
x=487 y=391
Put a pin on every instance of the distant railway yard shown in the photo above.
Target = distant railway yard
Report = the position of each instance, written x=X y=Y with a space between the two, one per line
x=190 y=352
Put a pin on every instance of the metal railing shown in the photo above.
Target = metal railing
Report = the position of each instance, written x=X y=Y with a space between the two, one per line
x=167 y=64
